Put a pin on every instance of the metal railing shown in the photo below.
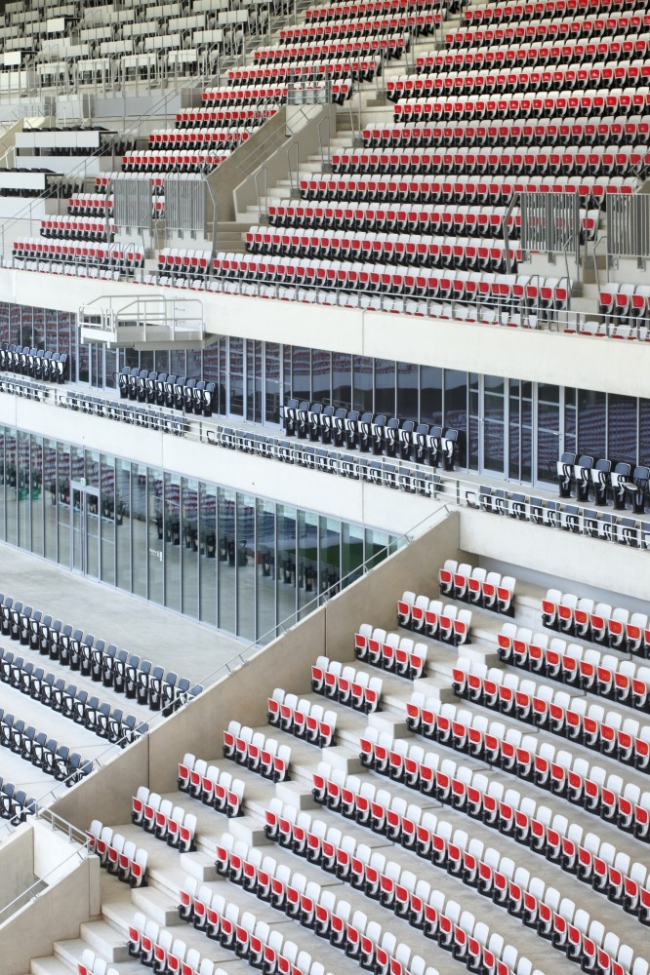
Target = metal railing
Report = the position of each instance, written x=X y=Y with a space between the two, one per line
x=628 y=228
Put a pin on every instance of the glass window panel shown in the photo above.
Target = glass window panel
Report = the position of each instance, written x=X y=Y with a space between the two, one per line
x=245 y=566
x=287 y=359
x=431 y=395
x=236 y=406
x=190 y=547
x=570 y=420
x=351 y=553
x=301 y=377
x=64 y=468
x=5 y=326
x=286 y=563
x=49 y=499
x=308 y=559
x=173 y=535
x=376 y=542
x=407 y=391
x=226 y=585
x=362 y=378
x=330 y=555
x=23 y=491
x=622 y=428
x=111 y=518
x=272 y=382
x=548 y=431
x=644 y=432
x=127 y=525
x=208 y=553
x=341 y=380
x=456 y=410
x=36 y=494
x=592 y=422
x=253 y=381
x=111 y=369
x=266 y=574
x=321 y=378
x=385 y=386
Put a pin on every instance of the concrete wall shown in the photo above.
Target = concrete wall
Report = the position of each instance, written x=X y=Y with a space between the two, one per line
x=588 y=561
x=70 y=898
x=16 y=864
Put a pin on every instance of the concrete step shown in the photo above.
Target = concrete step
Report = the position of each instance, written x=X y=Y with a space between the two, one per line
x=105 y=940
x=50 y=965
x=199 y=865
x=157 y=904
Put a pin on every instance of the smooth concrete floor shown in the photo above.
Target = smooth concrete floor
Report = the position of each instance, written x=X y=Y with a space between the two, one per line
x=174 y=642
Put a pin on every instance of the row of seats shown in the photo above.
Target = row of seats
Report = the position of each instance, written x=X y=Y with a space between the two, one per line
x=307 y=902
x=146 y=417
x=77 y=228
x=163 y=819
x=173 y=161
x=629 y=302
x=346 y=685
x=119 y=856
x=548 y=28
x=90 y=205
x=605 y=478
x=165 y=389
x=36 y=363
x=215 y=787
x=329 y=69
x=393 y=653
x=473 y=584
x=30 y=253
x=126 y=674
x=572 y=518
x=390 y=45
x=598 y=622
x=557 y=101
x=420 y=614
x=416 y=24
x=536 y=54
x=531 y=758
x=42 y=752
x=300 y=717
x=257 y=752
x=15 y=805
x=92 y=964
x=151 y=944
x=595 y=160
x=201 y=138
x=233 y=94
x=412 y=250
x=328 y=462
x=569 y=716
x=69 y=701
x=576 y=666
x=515 y=133
x=473 y=221
x=505 y=291
x=200 y=118
x=366 y=431
x=495 y=13
x=373 y=8
x=452 y=190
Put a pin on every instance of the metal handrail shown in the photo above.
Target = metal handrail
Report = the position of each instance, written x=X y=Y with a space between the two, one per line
x=324 y=162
